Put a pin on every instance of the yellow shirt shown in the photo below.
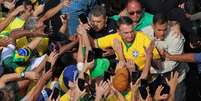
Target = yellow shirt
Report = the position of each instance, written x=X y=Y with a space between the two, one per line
x=135 y=52
x=15 y=24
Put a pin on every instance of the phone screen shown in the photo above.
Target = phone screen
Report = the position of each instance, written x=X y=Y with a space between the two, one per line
x=83 y=18
x=55 y=93
x=81 y=84
x=47 y=66
x=90 y=56
x=135 y=76
x=107 y=75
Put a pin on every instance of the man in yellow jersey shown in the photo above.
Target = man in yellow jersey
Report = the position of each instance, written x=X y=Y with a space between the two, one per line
x=133 y=43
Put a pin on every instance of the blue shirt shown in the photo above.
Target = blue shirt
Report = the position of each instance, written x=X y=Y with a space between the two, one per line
x=76 y=8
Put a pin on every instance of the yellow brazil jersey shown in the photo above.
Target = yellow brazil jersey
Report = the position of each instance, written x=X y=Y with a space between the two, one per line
x=15 y=24
x=135 y=52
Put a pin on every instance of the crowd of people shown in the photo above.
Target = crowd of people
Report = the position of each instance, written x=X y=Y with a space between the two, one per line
x=100 y=50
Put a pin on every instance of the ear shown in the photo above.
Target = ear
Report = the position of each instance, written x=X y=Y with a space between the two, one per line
x=118 y=31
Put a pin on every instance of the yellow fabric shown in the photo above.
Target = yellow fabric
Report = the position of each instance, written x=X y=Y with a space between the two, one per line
x=19 y=69
x=136 y=52
x=128 y=96
x=15 y=24
x=61 y=83
x=41 y=47
x=65 y=97
x=114 y=98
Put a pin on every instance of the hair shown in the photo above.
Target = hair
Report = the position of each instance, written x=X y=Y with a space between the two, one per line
x=6 y=95
x=160 y=18
x=97 y=11
x=124 y=20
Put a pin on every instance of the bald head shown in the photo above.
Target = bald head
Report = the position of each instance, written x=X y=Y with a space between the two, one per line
x=134 y=3
x=134 y=10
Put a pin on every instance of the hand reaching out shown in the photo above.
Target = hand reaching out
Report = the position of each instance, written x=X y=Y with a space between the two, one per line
x=66 y=2
x=53 y=57
x=173 y=81
x=158 y=96
x=101 y=88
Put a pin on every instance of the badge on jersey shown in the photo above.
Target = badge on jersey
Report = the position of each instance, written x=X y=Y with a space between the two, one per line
x=135 y=54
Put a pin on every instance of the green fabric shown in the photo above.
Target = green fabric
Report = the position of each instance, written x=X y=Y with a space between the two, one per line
x=128 y=44
x=145 y=20
x=101 y=65
x=83 y=51
x=9 y=65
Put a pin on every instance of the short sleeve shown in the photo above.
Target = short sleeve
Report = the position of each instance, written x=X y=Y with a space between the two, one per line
x=197 y=57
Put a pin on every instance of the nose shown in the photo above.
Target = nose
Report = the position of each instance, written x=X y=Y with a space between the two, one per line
x=129 y=35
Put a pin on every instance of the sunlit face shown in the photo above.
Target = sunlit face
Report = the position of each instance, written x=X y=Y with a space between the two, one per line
x=160 y=30
x=98 y=23
x=126 y=32
x=135 y=11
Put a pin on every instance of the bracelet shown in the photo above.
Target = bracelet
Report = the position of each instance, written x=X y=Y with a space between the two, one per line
x=22 y=75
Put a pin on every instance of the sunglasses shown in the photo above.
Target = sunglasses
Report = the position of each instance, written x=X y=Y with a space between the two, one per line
x=135 y=12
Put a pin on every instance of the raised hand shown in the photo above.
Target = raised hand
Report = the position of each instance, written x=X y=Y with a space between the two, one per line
x=158 y=96
x=173 y=81
x=66 y=2
x=101 y=88
x=53 y=57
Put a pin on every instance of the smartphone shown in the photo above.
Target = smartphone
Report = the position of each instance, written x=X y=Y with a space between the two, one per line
x=64 y=16
x=98 y=52
x=81 y=84
x=166 y=89
x=83 y=18
x=90 y=56
x=142 y=89
x=47 y=66
x=55 y=93
x=86 y=77
x=107 y=75
x=143 y=92
x=134 y=76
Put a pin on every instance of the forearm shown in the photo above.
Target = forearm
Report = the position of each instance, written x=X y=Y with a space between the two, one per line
x=98 y=98
x=7 y=21
x=51 y=12
x=81 y=51
x=63 y=28
x=34 y=43
x=146 y=69
x=12 y=77
x=171 y=98
x=35 y=91
x=67 y=47
x=21 y=33
x=188 y=57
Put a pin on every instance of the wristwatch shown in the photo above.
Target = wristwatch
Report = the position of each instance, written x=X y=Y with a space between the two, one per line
x=22 y=75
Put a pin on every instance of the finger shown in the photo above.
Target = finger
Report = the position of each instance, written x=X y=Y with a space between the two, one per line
x=176 y=75
x=171 y=75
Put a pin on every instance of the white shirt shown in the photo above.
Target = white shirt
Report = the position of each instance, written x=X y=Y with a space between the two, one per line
x=172 y=43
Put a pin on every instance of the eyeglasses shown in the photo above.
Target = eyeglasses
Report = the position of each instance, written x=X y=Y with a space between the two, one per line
x=135 y=12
